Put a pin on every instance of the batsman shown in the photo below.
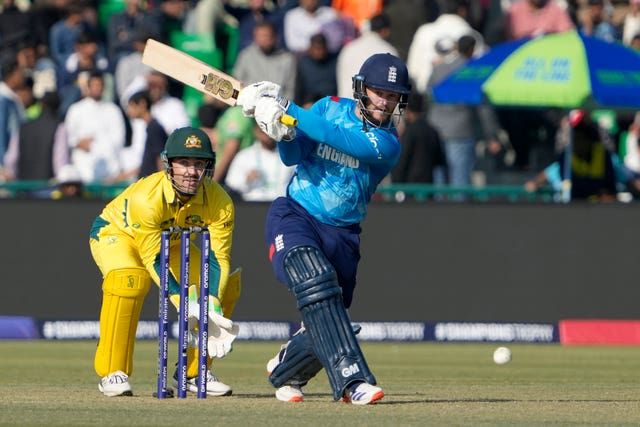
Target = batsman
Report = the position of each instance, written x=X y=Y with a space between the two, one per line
x=342 y=149
x=125 y=244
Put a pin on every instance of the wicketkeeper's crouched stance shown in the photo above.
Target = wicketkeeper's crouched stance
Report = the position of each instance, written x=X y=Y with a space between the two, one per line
x=343 y=148
x=125 y=244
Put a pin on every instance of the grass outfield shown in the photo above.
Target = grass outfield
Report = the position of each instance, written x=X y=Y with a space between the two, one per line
x=53 y=383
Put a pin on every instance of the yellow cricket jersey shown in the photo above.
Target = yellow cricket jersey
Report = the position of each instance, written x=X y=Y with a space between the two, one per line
x=130 y=227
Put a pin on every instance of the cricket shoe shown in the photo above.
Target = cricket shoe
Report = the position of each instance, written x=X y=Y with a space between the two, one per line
x=115 y=384
x=214 y=386
x=289 y=393
x=286 y=393
x=362 y=393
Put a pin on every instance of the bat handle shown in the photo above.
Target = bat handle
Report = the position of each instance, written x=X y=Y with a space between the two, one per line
x=289 y=120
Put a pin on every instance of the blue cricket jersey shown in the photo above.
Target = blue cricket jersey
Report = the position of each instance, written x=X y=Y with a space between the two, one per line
x=339 y=165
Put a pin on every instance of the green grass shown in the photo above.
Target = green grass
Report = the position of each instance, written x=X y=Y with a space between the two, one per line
x=53 y=383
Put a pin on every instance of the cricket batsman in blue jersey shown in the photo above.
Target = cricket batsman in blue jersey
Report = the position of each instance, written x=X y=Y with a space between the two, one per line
x=342 y=149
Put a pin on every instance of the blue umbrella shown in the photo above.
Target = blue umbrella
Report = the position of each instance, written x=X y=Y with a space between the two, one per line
x=563 y=70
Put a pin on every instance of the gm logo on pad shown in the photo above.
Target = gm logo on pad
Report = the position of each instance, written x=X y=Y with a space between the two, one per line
x=350 y=370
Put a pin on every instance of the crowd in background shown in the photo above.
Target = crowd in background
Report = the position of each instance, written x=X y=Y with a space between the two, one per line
x=77 y=105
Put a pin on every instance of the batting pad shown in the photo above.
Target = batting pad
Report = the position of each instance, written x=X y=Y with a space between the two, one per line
x=299 y=363
x=313 y=281
x=123 y=292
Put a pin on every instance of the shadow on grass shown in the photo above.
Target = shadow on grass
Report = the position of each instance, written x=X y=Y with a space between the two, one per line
x=397 y=399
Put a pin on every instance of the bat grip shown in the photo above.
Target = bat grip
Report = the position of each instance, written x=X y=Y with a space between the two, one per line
x=288 y=120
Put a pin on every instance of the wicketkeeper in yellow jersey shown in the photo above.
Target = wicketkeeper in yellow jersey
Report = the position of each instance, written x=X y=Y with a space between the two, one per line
x=125 y=244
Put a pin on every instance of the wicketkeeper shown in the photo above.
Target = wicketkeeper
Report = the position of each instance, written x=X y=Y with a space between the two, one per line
x=343 y=148
x=125 y=244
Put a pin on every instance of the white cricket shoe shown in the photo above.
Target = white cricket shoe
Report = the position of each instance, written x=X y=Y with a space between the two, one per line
x=289 y=393
x=115 y=384
x=363 y=394
x=214 y=386
x=286 y=393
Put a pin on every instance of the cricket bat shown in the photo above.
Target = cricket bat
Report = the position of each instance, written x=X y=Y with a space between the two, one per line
x=192 y=72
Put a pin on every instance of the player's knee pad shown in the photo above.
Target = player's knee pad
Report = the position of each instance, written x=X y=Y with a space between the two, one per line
x=311 y=276
x=123 y=293
x=313 y=281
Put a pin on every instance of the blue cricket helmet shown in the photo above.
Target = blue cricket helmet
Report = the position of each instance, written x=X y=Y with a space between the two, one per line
x=381 y=71
x=386 y=72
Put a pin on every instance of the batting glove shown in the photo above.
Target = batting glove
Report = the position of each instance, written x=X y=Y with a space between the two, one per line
x=249 y=96
x=268 y=113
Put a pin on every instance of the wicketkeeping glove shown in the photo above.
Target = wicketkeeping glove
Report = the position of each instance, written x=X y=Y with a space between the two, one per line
x=249 y=96
x=268 y=112
x=222 y=331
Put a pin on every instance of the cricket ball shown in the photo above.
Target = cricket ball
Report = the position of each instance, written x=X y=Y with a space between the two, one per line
x=502 y=355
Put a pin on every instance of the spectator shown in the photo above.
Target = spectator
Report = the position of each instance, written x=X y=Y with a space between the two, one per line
x=62 y=35
x=130 y=66
x=123 y=27
x=593 y=175
x=422 y=158
x=635 y=42
x=42 y=148
x=68 y=184
x=353 y=55
x=169 y=110
x=533 y=18
x=207 y=16
x=301 y=22
x=358 y=11
x=631 y=159
x=316 y=74
x=173 y=16
x=596 y=22
x=41 y=70
x=257 y=173
x=140 y=107
x=264 y=60
x=12 y=112
x=14 y=22
x=138 y=111
x=85 y=59
x=25 y=93
x=208 y=115
x=96 y=133
x=405 y=17
x=258 y=13
x=449 y=26
x=45 y=14
x=631 y=23
x=456 y=123
x=234 y=132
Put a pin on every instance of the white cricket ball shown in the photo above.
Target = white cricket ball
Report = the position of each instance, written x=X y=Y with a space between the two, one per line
x=502 y=355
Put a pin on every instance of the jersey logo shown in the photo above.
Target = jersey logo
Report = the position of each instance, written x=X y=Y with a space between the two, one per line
x=374 y=140
x=194 y=220
x=329 y=153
